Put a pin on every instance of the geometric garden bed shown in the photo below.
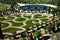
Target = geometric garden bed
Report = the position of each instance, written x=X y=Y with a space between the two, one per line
x=14 y=21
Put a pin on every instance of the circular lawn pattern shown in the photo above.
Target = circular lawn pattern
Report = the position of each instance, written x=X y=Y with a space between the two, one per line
x=11 y=30
x=2 y=19
x=19 y=22
x=39 y=16
x=16 y=23
x=29 y=24
x=3 y=25
x=20 y=19
x=10 y=18
x=17 y=15
x=29 y=17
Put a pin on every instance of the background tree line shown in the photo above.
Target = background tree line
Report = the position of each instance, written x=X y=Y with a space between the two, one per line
x=13 y=2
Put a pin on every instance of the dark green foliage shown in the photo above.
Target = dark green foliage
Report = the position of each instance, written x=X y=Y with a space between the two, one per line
x=1 y=35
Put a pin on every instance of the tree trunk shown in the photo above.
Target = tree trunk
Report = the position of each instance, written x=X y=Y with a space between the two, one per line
x=1 y=35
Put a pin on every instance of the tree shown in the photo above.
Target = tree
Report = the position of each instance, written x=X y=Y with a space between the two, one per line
x=1 y=35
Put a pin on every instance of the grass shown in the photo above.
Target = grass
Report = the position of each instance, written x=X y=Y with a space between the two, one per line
x=39 y=16
x=2 y=19
x=44 y=20
x=10 y=18
x=29 y=21
x=17 y=15
x=27 y=17
x=16 y=24
x=29 y=24
x=35 y=21
x=20 y=19
x=11 y=30
x=5 y=25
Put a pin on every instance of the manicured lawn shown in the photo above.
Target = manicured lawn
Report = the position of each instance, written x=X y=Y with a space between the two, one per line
x=29 y=21
x=16 y=24
x=30 y=24
x=27 y=17
x=4 y=25
x=44 y=20
x=2 y=19
x=39 y=16
x=17 y=15
x=11 y=30
x=36 y=21
x=20 y=19
x=10 y=18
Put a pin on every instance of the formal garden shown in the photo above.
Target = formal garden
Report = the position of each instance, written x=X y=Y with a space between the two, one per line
x=22 y=25
x=20 y=22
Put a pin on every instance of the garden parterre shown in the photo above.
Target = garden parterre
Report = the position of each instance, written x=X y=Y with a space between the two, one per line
x=22 y=21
